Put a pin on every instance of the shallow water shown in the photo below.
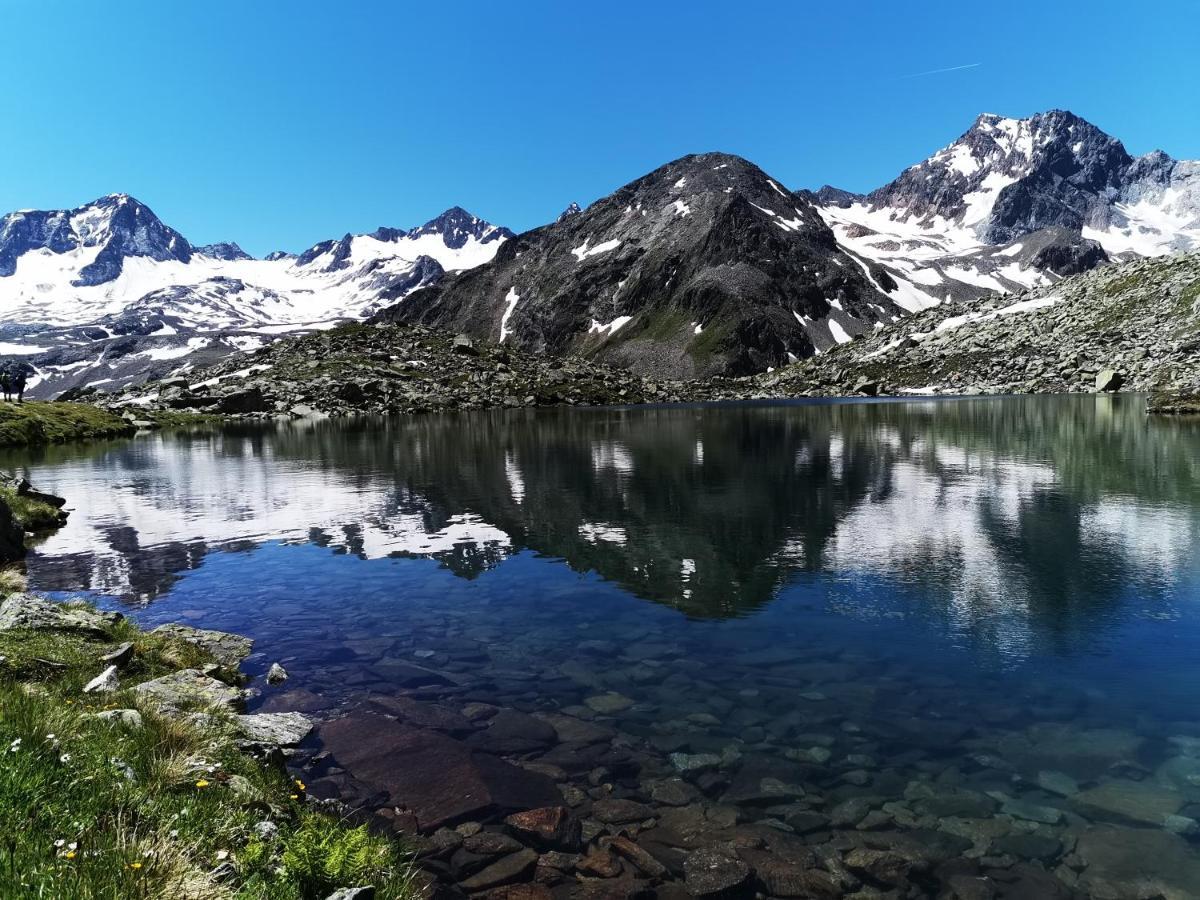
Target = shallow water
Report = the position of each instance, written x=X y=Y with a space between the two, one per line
x=853 y=598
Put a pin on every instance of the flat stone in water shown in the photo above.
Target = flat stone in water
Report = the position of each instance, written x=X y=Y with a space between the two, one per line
x=1137 y=862
x=607 y=704
x=621 y=812
x=505 y=871
x=1031 y=812
x=437 y=777
x=1136 y=802
x=709 y=874
x=1057 y=783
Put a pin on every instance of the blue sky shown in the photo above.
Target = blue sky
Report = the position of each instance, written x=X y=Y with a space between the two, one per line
x=281 y=124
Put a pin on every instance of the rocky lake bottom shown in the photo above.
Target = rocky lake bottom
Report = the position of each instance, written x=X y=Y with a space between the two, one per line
x=876 y=649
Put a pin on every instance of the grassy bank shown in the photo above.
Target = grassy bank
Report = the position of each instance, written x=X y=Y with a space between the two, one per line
x=150 y=805
x=34 y=423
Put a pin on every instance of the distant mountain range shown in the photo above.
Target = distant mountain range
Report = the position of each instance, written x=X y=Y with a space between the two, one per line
x=706 y=265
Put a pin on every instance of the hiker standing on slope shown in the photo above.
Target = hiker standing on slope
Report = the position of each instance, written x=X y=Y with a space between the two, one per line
x=18 y=385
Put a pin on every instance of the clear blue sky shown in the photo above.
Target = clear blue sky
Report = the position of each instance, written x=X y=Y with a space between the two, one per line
x=280 y=124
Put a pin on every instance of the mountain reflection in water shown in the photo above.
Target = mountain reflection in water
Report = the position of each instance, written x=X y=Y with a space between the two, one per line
x=1015 y=520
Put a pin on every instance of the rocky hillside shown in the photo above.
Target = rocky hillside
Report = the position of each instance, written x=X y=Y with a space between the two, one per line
x=394 y=369
x=1134 y=326
x=704 y=266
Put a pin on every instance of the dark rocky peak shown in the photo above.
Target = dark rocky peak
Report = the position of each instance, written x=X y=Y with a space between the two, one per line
x=1008 y=177
x=227 y=250
x=118 y=223
x=828 y=195
x=389 y=235
x=456 y=226
x=572 y=210
x=340 y=251
x=276 y=255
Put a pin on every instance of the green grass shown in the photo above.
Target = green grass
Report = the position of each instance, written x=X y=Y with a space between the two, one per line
x=92 y=809
x=35 y=423
x=34 y=515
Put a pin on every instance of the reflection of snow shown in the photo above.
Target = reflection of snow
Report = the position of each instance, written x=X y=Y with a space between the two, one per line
x=594 y=532
x=166 y=492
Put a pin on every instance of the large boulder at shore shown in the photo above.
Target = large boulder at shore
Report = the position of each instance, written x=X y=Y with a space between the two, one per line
x=439 y=779
x=227 y=649
x=37 y=613
x=189 y=690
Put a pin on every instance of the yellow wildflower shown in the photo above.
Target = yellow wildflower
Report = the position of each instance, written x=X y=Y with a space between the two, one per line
x=201 y=783
x=70 y=854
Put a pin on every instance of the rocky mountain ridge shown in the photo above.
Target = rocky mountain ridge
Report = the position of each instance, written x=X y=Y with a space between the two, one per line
x=705 y=266
x=1019 y=203
x=107 y=294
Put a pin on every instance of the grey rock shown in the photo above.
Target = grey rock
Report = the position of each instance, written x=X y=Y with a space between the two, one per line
x=189 y=690
x=277 y=674
x=104 y=683
x=37 y=613
x=710 y=874
x=285 y=729
x=227 y=649
x=129 y=718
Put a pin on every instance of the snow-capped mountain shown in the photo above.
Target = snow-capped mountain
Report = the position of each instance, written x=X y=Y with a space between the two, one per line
x=107 y=293
x=705 y=265
x=1017 y=203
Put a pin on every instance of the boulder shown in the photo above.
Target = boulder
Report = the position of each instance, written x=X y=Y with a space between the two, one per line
x=286 y=729
x=1109 y=381
x=507 y=870
x=709 y=875
x=227 y=649
x=548 y=828
x=277 y=674
x=1137 y=862
x=104 y=683
x=189 y=690
x=248 y=400
x=36 y=613
x=439 y=779
x=511 y=731
x=1132 y=802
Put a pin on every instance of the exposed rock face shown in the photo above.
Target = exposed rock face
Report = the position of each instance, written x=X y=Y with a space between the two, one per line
x=706 y=265
x=436 y=777
x=118 y=224
x=1016 y=203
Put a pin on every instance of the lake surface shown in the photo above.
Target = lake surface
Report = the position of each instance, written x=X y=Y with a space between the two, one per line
x=962 y=632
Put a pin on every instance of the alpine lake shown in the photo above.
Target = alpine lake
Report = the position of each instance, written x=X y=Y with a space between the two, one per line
x=923 y=648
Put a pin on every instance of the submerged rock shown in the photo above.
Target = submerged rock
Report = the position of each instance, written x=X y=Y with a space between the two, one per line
x=709 y=874
x=438 y=778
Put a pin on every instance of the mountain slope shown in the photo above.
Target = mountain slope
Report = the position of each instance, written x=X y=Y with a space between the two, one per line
x=706 y=265
x=1019 y=203
x=1139 y=319
x=107 y=294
